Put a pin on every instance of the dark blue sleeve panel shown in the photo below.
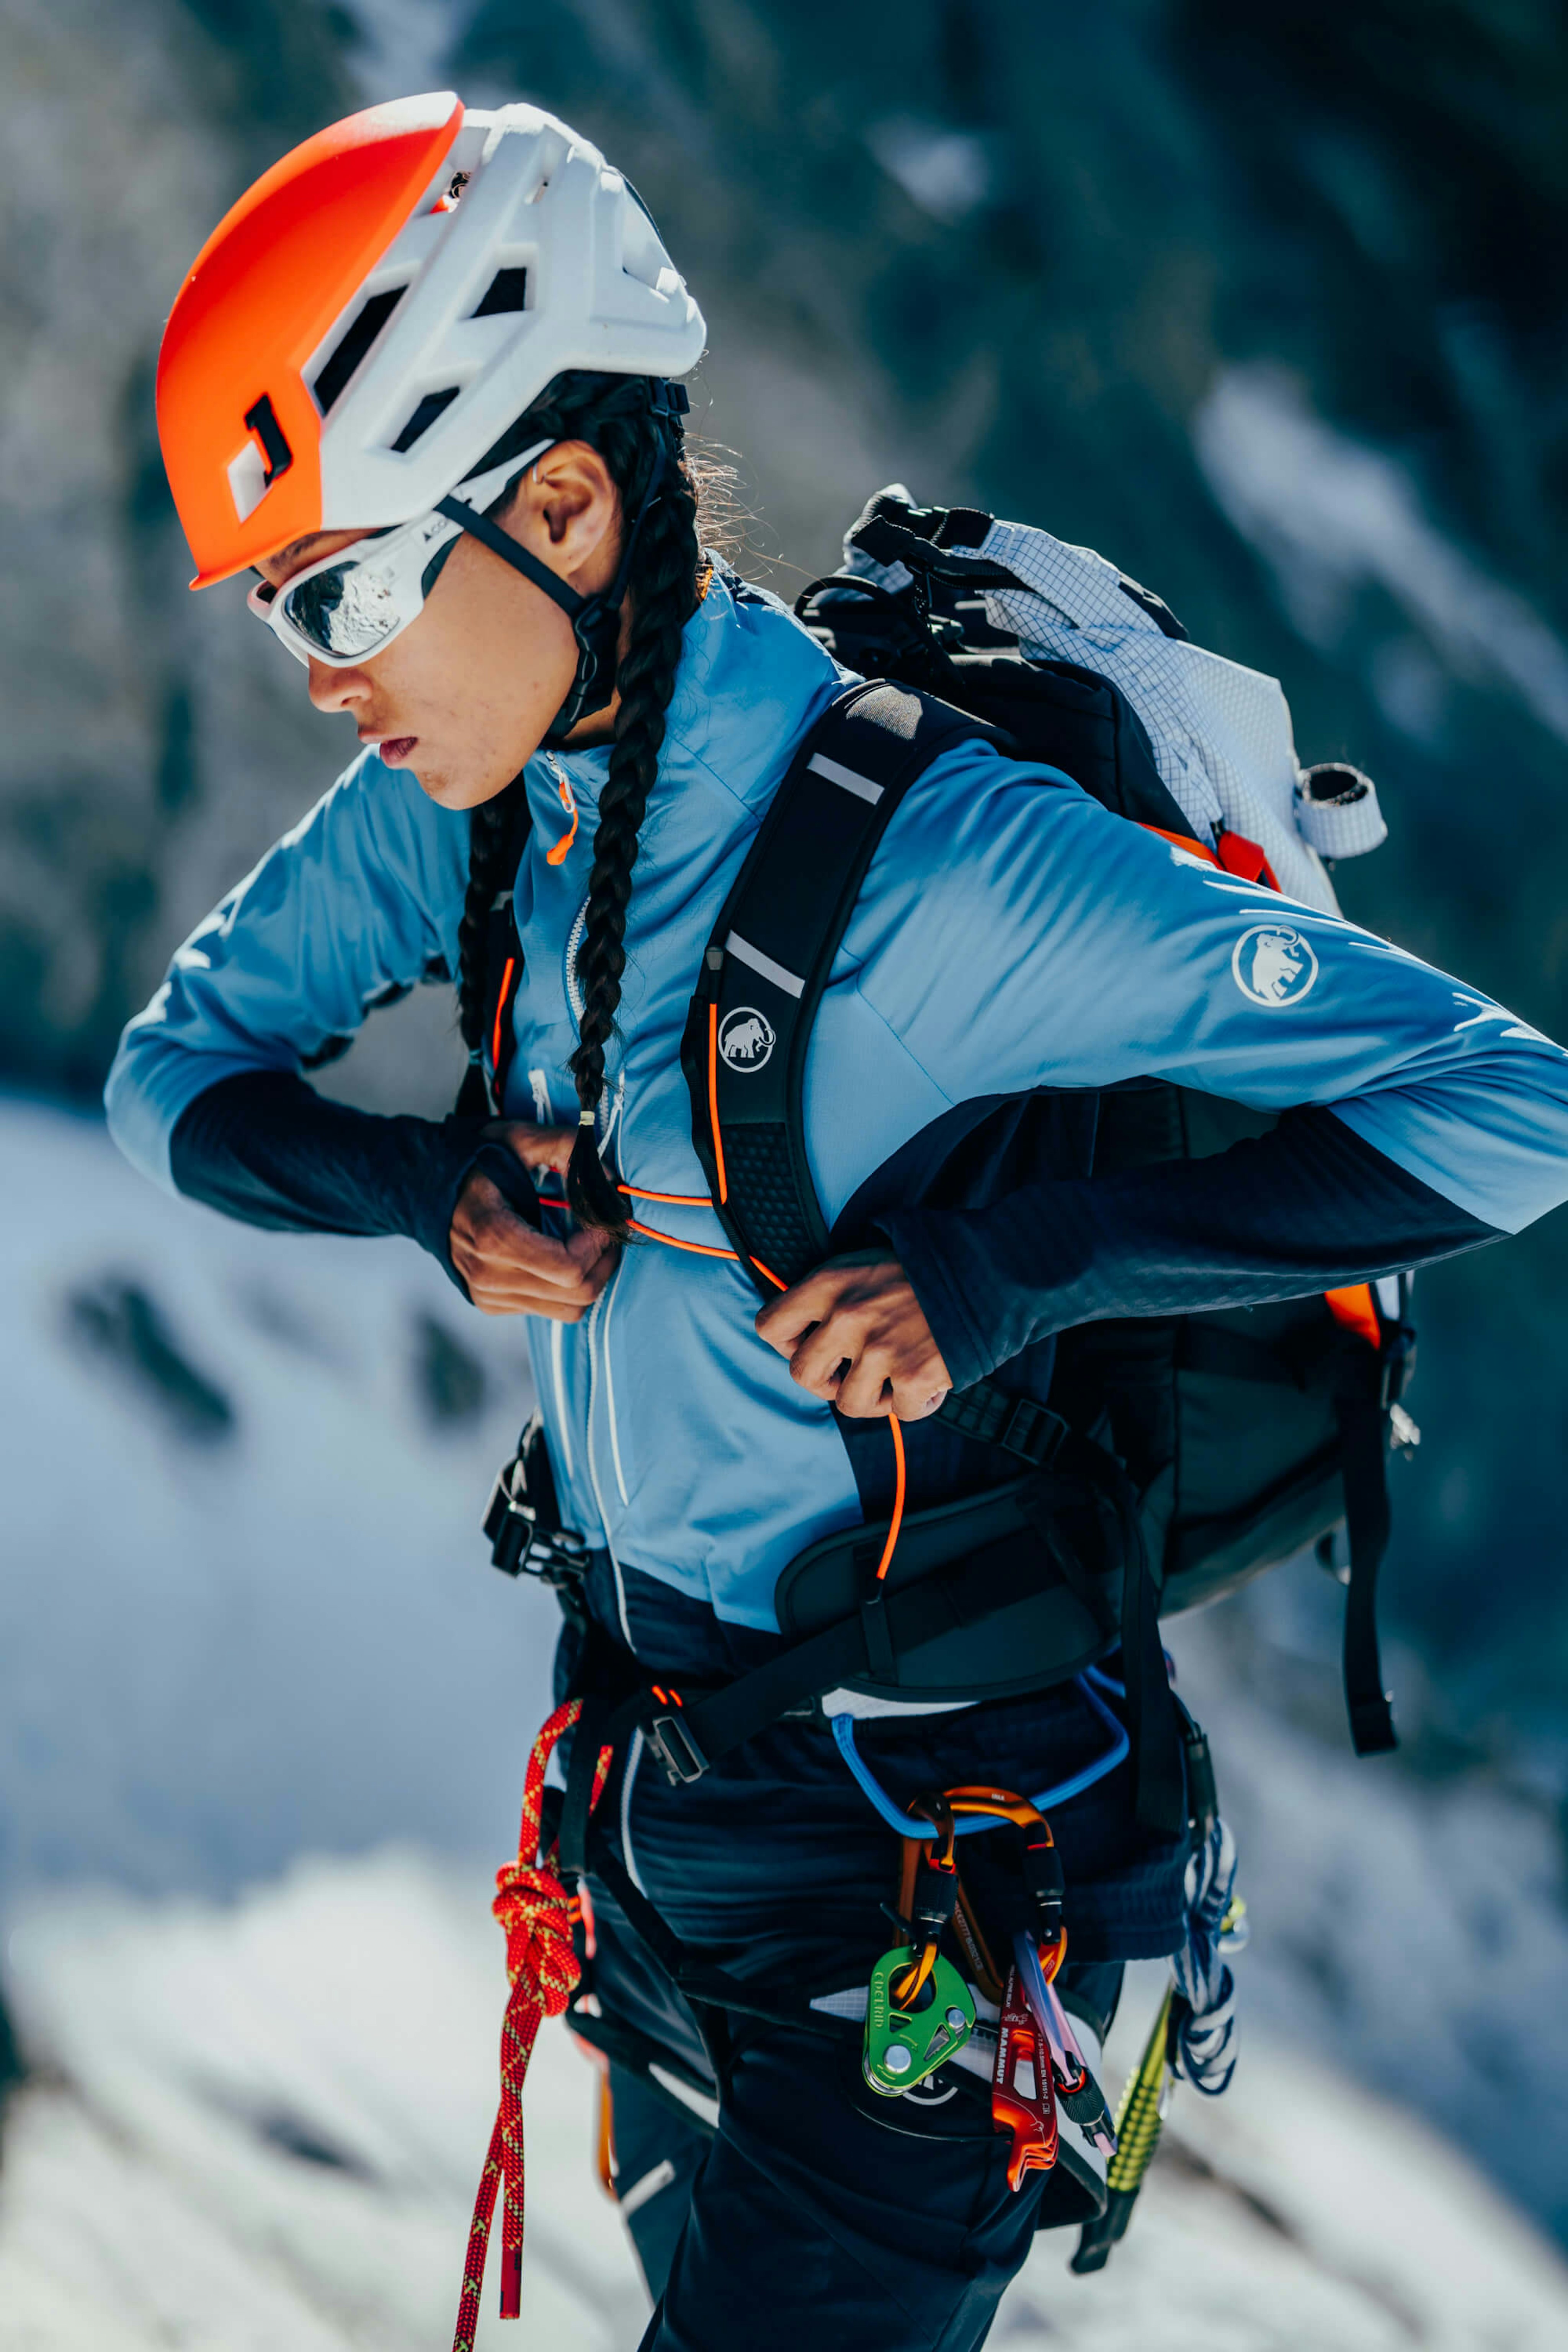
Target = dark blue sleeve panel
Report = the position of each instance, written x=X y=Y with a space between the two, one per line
x=1309 y=1206
x=264 y=1146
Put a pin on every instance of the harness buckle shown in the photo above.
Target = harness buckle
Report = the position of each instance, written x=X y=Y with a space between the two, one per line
x=521 y=1540
x=677 y=1751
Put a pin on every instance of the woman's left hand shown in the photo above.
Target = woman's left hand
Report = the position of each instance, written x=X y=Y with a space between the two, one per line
x=855 y=1336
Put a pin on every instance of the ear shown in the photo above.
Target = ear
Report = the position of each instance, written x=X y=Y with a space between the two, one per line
x=567 y=510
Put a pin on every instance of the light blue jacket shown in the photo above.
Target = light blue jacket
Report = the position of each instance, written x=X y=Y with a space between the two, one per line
x=1010 y=934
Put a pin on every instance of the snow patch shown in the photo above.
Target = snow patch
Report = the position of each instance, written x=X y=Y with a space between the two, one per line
x=247 y=1606
x=1330 y=516
x=142 y=2202
x=948 y=174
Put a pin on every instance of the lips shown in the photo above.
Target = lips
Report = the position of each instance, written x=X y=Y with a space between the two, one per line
x=395 y=750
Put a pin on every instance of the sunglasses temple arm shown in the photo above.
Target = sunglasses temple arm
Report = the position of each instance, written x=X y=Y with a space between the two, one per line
x=491 y=535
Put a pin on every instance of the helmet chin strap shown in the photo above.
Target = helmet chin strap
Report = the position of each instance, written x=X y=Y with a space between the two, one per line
x=595 y=620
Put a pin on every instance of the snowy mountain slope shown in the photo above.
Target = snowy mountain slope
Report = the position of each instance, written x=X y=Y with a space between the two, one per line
x=245 y=1607
x=1411 y=1928
x=261 y=2124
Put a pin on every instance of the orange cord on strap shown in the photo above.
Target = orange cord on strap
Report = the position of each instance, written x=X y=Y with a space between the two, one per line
x=500 y=1012
x=536 y=1912
x=671 y=1200
x=897 y=1521
x=714 y=1103
x=696 y=1249
x=557 y=855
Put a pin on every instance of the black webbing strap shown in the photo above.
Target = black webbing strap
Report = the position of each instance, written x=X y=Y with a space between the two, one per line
x=1160 y=1803
x=510 y=550
x=638 y=2053
x=688 y=1738
x=588 y=1736
x=1032 y=1431
x=1364 y=1466
x=1357 y=1376
x=709 y=1988
x=770 y=956
x=1017 y=1424
x=582 y=1850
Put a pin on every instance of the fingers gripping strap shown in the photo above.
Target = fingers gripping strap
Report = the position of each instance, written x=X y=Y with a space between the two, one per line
x=771 y=952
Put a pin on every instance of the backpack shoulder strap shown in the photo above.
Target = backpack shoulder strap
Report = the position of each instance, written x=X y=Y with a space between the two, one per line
x=483 y=1090
x=768 y=961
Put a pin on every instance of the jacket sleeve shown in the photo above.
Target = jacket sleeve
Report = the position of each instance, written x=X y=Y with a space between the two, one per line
x=360 y=902
x=1012 y=934
x=1310 y=1207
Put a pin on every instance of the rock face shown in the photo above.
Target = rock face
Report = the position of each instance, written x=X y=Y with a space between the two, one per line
x=147 y=756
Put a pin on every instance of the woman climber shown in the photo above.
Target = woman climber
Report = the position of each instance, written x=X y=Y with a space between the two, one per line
x=425 y=380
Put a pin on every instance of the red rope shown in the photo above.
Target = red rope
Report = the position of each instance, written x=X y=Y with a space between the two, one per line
x=543 y=1968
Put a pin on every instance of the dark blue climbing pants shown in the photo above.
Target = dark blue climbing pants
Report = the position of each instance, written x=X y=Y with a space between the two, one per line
x=818 y=2216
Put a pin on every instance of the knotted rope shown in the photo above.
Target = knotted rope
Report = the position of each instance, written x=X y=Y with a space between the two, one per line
x=543 y=1970
x=1205 y=2050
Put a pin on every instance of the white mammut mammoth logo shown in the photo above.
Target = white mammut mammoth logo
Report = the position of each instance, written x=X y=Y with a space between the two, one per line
x=1273 y=965
x=745 y=1038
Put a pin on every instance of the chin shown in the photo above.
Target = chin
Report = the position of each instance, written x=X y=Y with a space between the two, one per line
x=446 y=791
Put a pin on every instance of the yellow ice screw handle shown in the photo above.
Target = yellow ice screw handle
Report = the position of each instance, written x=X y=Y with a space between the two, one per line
x=1137 y=2114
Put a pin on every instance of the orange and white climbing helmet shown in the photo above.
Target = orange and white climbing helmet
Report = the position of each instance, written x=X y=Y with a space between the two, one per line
x=370 y=318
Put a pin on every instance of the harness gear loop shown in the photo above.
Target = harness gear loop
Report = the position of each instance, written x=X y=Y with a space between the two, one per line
x=544 y=1970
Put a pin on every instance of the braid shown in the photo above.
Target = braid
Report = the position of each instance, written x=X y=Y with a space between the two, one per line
x=663 y=595
x=611 y=413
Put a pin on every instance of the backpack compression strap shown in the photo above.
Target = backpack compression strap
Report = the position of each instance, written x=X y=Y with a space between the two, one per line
x=768 y=960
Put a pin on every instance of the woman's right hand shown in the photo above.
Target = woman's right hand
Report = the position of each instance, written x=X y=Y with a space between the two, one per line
x=510 y=1269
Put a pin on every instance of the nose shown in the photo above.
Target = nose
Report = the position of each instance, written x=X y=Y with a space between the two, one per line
x=338 y=689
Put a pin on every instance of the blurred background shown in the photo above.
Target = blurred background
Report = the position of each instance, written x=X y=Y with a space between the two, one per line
x=1267 y=304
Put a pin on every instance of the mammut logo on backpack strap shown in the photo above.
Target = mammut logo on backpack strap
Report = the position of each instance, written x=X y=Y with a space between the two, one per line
x=746 y=1039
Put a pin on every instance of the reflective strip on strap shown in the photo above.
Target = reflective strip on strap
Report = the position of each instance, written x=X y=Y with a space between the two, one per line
x=650 y=2184
x=862 y=786
x=745 y=952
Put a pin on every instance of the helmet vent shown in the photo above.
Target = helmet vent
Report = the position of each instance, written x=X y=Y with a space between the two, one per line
x=425 y=415
x=340 y=363
x=508 y=290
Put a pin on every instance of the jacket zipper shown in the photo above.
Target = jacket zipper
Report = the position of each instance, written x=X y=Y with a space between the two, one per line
x=594 y=1465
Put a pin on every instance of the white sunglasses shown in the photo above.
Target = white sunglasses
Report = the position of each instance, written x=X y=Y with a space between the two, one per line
x=348 y=608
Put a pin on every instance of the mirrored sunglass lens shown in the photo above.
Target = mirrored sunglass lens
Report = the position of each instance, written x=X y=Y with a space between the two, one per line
x=349 y=609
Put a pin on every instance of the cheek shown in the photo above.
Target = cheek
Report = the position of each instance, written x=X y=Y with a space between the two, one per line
x=497 y=655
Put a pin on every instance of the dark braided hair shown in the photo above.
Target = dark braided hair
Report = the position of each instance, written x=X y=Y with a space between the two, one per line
x=613 y=414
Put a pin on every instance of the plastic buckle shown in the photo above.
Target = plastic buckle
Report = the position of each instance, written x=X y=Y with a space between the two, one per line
x=518 y=1545
x=677 y=1751
x=1034 y=1431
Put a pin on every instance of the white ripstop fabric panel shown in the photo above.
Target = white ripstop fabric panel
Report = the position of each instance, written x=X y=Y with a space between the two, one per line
x=1221 y=734
x=1347 y=826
